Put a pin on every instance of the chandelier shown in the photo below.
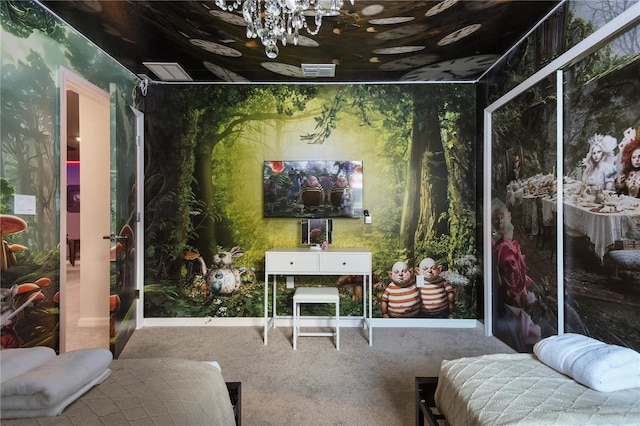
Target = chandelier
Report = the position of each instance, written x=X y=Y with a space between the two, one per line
x=281 y=20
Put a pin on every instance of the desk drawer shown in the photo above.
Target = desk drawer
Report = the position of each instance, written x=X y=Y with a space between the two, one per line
x=345 y=263
x=292 y=262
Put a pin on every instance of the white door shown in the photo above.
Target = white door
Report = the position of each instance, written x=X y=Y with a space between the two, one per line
x=84 y=301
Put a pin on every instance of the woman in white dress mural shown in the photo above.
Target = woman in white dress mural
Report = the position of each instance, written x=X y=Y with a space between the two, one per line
x=600 y=170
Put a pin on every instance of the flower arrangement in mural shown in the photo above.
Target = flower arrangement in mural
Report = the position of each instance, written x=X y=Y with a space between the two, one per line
x=513 y=281
x=513 y=323
x=463 y=276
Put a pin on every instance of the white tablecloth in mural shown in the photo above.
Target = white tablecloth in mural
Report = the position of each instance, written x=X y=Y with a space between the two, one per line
x=524 y=193
x=549 y=207
x=527 y=203
x=617 y=219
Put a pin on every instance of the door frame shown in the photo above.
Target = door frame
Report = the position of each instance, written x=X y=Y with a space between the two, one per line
x=140 y=216
x=68 y=80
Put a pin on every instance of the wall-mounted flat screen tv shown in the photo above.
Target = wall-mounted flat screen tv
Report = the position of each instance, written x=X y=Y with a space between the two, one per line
x=313 y=189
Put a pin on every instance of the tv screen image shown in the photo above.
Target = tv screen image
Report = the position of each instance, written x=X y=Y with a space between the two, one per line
x=313 y=189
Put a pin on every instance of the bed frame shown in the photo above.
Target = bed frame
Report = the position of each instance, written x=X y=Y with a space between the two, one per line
x=235 y=393
x=426 y=409
x=542 y=392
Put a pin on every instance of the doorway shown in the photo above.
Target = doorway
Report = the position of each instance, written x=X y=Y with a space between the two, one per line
x=85 y=214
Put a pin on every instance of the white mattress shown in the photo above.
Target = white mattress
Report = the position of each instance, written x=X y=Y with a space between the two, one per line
x=149 y=391
x=518 y=389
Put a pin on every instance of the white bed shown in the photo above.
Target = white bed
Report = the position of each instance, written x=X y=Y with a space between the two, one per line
x=518 y=389
x=158 y=391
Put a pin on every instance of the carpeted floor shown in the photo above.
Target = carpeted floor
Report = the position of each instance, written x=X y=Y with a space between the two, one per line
x=317 y=385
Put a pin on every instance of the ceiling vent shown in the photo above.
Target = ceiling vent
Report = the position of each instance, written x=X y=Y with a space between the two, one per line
x=318 y=70
x=168 y=71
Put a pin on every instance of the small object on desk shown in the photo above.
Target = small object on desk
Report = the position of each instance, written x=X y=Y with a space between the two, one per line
x=325 y=245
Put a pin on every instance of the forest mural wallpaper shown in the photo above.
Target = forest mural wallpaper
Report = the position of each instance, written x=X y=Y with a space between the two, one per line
x=205 y=146
x=34 y=45
x=205 y=180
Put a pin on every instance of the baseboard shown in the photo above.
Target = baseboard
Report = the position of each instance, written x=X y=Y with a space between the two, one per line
x=200 y=322
x=93 y=322
x=287 y=321
x=424 y=323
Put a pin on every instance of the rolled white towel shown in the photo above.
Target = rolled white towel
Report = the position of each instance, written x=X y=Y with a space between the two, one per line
x=54 y=381
x=602 y=367
x=16 y=361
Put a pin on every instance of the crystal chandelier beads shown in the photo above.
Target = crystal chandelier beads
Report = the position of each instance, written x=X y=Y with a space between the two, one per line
x=277 y=20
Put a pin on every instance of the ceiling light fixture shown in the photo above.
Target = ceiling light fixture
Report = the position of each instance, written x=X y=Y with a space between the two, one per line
x=273 y=20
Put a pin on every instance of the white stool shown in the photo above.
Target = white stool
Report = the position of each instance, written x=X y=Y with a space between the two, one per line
x=315 y=295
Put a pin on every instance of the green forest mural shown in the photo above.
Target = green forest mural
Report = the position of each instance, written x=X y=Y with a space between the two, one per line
x=206 y=148
x=420 y=148
x=34 y=47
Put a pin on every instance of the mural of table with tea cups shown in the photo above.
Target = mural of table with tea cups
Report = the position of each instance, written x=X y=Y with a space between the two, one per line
x=604 y=219
x=523 y=193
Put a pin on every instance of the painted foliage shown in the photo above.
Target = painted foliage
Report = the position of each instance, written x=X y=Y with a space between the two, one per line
x=34 y=46
x=205 y=195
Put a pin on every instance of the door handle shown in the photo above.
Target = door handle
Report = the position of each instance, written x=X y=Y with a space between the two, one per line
x=115 y=237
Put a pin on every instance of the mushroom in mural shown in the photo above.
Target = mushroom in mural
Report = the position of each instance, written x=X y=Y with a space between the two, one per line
x=44 y=282
x=13 y=249
x=192 y=255
x=197 y=287
x=9 y=225
x=27 y=293
x=351 y=281
x=9 y=337
x=19 y=297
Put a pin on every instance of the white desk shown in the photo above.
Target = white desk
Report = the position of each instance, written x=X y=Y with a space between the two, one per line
x=304 y=261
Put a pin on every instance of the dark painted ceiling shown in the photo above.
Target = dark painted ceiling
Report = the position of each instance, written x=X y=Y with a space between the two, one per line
x=371 y=41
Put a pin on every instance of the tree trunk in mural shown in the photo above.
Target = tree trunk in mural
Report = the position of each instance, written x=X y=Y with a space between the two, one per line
x=204 y=192
x=169 y=162
x=425 y=196
x=28 y=141
x=206 y=232
x=412 y=202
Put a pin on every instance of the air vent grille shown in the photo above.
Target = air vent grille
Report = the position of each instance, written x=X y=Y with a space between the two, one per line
x=318 y=70
x=168 y=71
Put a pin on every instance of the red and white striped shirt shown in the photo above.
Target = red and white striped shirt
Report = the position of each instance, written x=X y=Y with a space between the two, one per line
x=434 y=296
x=402 y=301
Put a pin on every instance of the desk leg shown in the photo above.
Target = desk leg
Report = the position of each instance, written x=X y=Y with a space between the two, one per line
x=370 y=281
x=366 y=312
x=275 y=316
x=364 y=302
x=266 y=307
